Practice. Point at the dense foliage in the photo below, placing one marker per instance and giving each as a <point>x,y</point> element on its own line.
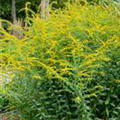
<point>66,67</point>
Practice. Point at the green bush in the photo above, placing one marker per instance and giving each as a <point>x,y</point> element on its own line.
<point>107,104</point>
<point>65,67</point>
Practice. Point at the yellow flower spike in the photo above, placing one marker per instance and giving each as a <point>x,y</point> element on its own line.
<point>98,86</point>
<point>36,77</point>
<point>117,81</point>
<point>78,99</point>
<point>92,95</point>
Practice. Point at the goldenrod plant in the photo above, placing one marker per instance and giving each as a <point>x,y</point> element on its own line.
<point>58,68</point>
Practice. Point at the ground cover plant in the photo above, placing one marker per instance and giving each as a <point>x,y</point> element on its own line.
<point>66,67</point>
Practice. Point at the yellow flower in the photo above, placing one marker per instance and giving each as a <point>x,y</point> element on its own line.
<point>102,73</point>
<point>117,81</point>
<point>77,98</point>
